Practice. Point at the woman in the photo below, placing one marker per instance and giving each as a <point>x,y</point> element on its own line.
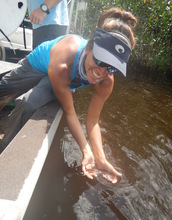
<point>72,62</point>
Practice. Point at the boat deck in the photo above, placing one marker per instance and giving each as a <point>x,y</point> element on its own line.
<point>23,159</point>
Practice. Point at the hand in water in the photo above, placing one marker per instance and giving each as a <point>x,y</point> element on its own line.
<point>108,171</point>
<point>105,169</point>
<point>88,164</point>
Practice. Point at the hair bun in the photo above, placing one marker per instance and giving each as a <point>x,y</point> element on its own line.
<point>117,13</point>
<point>115,19</point>
<point>128,18</point>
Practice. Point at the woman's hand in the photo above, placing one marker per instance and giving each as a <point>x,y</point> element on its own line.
<point>88,165</point>
<point>105,169</point>
<point>108,171</point>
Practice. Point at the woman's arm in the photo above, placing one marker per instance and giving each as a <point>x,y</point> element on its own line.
<point>101,93</point>
<point>59,71</point>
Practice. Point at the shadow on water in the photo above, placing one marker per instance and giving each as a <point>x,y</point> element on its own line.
<point>137,136</point>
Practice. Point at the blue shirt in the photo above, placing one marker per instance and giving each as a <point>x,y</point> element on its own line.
<point>58,14</point>
<point>39,58</point>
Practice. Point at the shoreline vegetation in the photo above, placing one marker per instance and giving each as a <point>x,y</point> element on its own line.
<point>153,49</point>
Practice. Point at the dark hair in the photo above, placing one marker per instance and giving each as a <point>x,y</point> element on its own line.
<point>117,20</point>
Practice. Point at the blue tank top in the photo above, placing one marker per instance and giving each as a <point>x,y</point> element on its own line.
<point>39,59</point>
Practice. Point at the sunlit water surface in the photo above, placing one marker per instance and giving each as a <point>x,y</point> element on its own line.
<point>136,125</point>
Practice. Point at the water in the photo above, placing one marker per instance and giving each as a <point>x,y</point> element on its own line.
<point>136,125</point>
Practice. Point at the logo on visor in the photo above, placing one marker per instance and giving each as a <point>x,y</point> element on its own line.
<point>119,48</point>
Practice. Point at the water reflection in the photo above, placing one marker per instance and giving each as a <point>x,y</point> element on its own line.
<point>137,135</point>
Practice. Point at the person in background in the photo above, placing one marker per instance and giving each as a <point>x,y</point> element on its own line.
<point>49,19</point>
<point>70,62</point>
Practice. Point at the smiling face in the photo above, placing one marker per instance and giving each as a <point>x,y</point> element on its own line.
<point>94,73</point>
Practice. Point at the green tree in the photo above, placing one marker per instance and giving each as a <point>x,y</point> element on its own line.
<point>153,49</point>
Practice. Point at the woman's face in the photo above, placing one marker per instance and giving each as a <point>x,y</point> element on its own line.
<point>94,73</point>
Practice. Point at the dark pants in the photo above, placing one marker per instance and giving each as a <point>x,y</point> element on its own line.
<point>33,90</point>
<point>46,33</point>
